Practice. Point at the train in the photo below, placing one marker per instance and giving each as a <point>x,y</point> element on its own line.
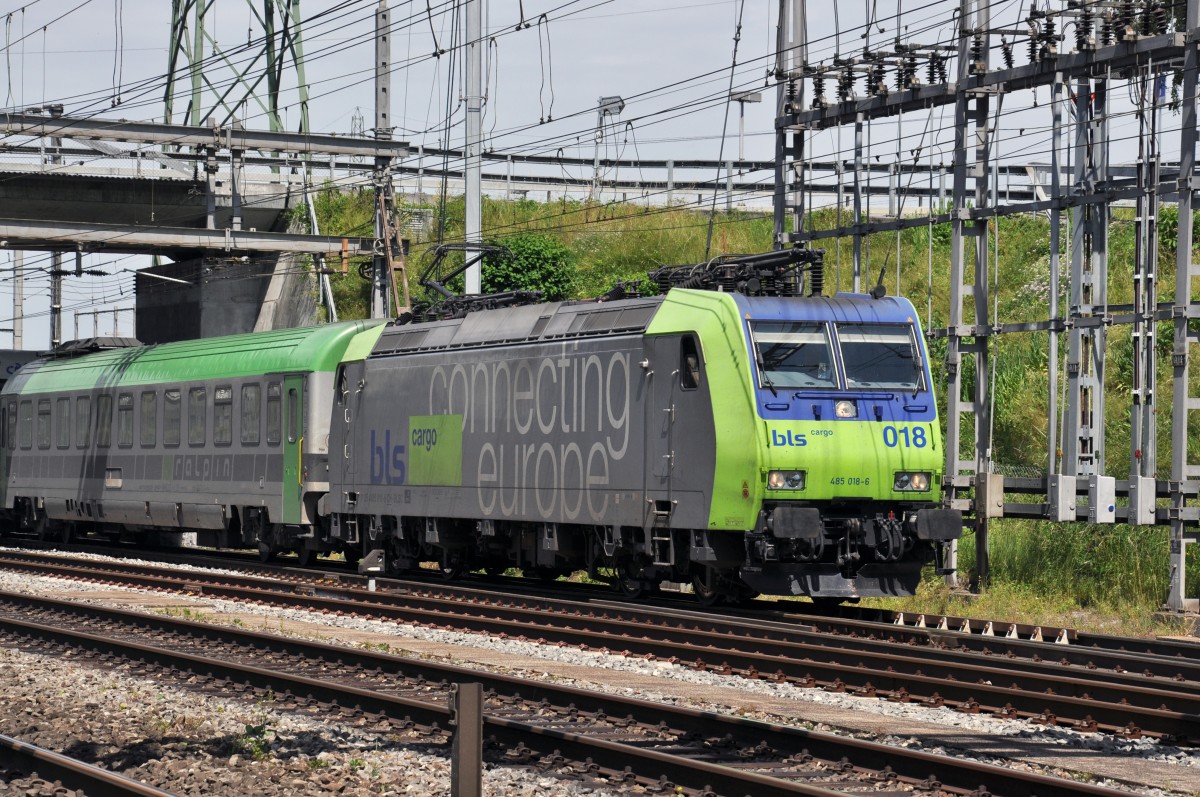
<point>728,431</point>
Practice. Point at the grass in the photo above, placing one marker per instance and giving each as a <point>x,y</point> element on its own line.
<point>1055,571</point>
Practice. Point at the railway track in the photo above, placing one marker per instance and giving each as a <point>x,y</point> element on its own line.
<point>1089,689</point>
<point>20,760</point>
<point>575,732</point>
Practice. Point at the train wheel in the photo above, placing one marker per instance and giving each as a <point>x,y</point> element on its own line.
<point>710,585</point>
<point>353,555</point>
<point>265,553</point>
<point>306,556</point>
<point>451,565</point>
<point>66,533</point>
<point>630,581</point>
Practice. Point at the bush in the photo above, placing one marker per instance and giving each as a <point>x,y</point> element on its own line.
<point>538,263</point>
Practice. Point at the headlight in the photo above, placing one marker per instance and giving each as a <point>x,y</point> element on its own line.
<point>910,482</point>
<point>785,480</point>
<point>845,409</point>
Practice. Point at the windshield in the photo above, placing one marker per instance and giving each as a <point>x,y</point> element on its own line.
<point>879,356</point>
<point>792,354</point>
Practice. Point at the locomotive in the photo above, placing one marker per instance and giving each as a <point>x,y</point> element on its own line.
<point>727,432</point>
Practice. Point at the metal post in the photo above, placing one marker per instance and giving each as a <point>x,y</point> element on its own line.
<point>728,186</point>
<point>472,172</point>
<point>1182,469</point>
<point>1056,109</point>
<point>383,131</point>
<point>18,299</point>
<point>988,489</point>
<point>858,210</point>
<point>466,762</point>
<point>670,182</point>
<point>781,131</point>
<point>955,345</point>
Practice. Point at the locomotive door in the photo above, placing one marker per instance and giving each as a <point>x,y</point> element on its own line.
<point>679,434</point>
<point>349,396</point>
<point>293,447</point>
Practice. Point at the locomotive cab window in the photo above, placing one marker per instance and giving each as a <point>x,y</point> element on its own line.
<point>223,415</point>
<point>62,423</point>
<point>125,420</point>
<point>149,420</point>
<point>793,354</point>
<point>43,423</point>
<point>689,363</point>
<point>880,356</point>
<point>83,420</point>
<point>172,417</point>
<point>197,409</point>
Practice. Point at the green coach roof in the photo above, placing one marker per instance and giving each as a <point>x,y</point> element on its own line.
<point>302,349</point>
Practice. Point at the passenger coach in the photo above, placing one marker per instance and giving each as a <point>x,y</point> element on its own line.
<point>226,437</point>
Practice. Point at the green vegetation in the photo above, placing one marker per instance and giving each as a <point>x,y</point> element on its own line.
<point>1056,568</point>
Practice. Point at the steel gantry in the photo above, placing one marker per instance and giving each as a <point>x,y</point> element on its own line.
<point>1133,47</point>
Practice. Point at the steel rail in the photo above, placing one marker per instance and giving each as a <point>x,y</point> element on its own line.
<point>1044,691</point>
<point>73,774</point>
<point>784,741</point>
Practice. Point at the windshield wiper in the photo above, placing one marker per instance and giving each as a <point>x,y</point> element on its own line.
<point>762,373</point>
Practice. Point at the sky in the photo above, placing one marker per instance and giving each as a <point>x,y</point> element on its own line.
<point>547,63</point>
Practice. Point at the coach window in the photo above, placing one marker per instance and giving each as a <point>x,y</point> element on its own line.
<point>689,363</point>
<point>274,413</point>
<point>43,423</point>
<point>83,417</point>
<point>10,433</point>
<point>223,415</point>
<point>125,420</point>
<point>62,422</point>
<point>172,417</point>
<point>26,425</point>
<point>149,419</point>
<point>251,414</point>
<point>197,407</point>
<point>103,420</point>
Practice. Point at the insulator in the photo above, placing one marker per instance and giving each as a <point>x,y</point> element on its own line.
<point>1034,35</point>
<point>846,84</point>
<point>977,47</point>
<point>910,65</point>
<point>1159,12</point>
<point>1006,52</point>
<point>819,100</point>
<point>1107,28</point>
<point>1083,29</point>
<point>879,80</point>
<point>1127,20</point>
<point>1048,30</point>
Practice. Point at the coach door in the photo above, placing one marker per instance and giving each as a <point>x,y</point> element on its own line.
<point>293,446</point>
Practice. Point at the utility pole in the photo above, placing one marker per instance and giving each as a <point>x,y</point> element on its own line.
<point>741,98</point>
<point>472,173</point>
<point>18,299</point>
<point>383,131</point>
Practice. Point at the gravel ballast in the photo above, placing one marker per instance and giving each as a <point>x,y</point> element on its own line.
<point>938,730</point>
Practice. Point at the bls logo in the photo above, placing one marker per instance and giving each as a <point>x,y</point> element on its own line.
<point>787,438</point>
<point>387,461</point>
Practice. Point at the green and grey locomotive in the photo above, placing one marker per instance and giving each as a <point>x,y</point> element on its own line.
<point>745,439</point>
